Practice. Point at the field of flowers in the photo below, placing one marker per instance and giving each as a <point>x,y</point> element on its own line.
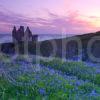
<point>47,80</point>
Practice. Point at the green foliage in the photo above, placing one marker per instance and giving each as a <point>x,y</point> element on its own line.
<point>5,58</point>
<point>56,63</point>
<point>21,58</point>
<point>86,88</point>
<point>50,84</point>
<point>97,79</point>
<point>78,69</point>
<point>53,91</point>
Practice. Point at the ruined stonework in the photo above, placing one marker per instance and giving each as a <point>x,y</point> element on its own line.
<point>21,35</point>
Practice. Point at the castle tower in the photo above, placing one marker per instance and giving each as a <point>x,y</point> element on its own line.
<point>14,33</point>
<point>28,34</point>
<point>20,34</point>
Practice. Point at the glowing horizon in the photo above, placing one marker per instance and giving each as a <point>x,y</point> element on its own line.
<point>50,16</point>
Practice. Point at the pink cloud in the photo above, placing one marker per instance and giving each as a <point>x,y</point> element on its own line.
<point>73,23</point>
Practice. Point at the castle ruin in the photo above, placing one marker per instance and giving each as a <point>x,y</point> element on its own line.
<point>22,35</point>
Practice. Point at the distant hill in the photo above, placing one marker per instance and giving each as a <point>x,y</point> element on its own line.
<point>4,38</point>
<point>71,49</point>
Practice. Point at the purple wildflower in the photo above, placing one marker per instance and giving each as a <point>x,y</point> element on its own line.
<point>42,91</point>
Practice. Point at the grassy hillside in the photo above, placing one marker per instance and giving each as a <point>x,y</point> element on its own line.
<point>62,48</point>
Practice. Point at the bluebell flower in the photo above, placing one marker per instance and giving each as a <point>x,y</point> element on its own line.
<point>93,93</point>
<point>42,91</point>
<point>46,73</point>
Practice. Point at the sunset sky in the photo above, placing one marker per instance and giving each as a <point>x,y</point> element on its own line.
<point>51,16</point>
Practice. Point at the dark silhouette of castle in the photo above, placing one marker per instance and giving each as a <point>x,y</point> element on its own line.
<point>20,35</point>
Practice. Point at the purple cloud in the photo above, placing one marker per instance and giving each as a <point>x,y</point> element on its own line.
<point>53,25</point>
